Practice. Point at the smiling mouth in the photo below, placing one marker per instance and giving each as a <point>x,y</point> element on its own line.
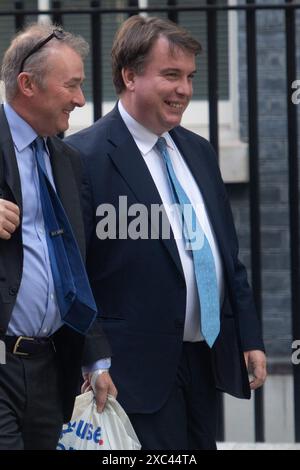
<point>175,105</point>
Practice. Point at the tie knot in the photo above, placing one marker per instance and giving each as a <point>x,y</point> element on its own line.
<point>161,144</point>
<point>39,144</point>
<point>39,151</point>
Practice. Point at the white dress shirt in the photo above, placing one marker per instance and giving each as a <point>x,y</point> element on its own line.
<point>145,141</point>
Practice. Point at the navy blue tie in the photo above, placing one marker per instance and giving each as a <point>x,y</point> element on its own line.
<point>204,265</point>
<point>74,296</point>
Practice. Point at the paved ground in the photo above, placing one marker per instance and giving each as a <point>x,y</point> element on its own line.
<point>250,446</point>
<point>278,414</point>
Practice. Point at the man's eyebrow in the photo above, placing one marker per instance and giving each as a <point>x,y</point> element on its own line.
<point>171,69</point>
<point>75,80</point>
<point>174,69</point>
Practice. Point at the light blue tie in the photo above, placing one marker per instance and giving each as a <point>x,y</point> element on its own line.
<point>205,271</point>
<point>74,296</point>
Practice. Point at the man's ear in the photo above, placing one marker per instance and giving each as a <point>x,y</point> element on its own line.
<point>25,84</point>
<point>129,78</point>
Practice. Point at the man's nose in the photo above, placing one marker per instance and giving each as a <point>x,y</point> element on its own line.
<point>79,99</point>
<point>185,87</point>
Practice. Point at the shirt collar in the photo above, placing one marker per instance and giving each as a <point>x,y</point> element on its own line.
<point>22,133</point>
<point>144,139</point>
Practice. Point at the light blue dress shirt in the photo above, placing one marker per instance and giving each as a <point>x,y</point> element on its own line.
<point>36,313</point>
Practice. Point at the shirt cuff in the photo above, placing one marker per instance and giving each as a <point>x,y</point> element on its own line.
<point>101,364</point>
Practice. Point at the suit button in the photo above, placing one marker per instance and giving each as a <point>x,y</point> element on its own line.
<point>13,291</point>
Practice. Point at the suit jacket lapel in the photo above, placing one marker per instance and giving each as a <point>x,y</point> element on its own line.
<point>66,188</point>
<point>10,167</point>
<point>131,165</point>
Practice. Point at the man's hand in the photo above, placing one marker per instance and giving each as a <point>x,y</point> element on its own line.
<point>9,219</point>
<point>256,365</point>
<point>103,386</point>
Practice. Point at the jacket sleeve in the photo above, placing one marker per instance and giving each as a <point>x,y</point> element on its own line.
<point>96,343</point>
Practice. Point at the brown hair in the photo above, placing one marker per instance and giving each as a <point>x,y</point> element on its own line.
<point>135,39</point>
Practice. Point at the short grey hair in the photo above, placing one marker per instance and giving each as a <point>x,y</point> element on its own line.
<point>36,64</point>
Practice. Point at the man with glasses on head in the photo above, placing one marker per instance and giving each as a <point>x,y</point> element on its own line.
<point>47,310</point>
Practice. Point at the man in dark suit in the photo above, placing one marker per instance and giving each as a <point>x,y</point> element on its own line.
<point>167,362</point>
<point>43,73</point>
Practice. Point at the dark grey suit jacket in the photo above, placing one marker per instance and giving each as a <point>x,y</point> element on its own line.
<point>72,348</point>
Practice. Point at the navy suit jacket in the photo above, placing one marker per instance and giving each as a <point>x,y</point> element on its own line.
<point>72,348</point>
<point>139,285</point>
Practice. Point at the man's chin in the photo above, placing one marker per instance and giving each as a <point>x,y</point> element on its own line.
<point>63,129</point>
<point>174,123</point>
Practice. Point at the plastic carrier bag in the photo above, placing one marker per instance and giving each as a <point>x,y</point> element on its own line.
<point>90,430</point>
